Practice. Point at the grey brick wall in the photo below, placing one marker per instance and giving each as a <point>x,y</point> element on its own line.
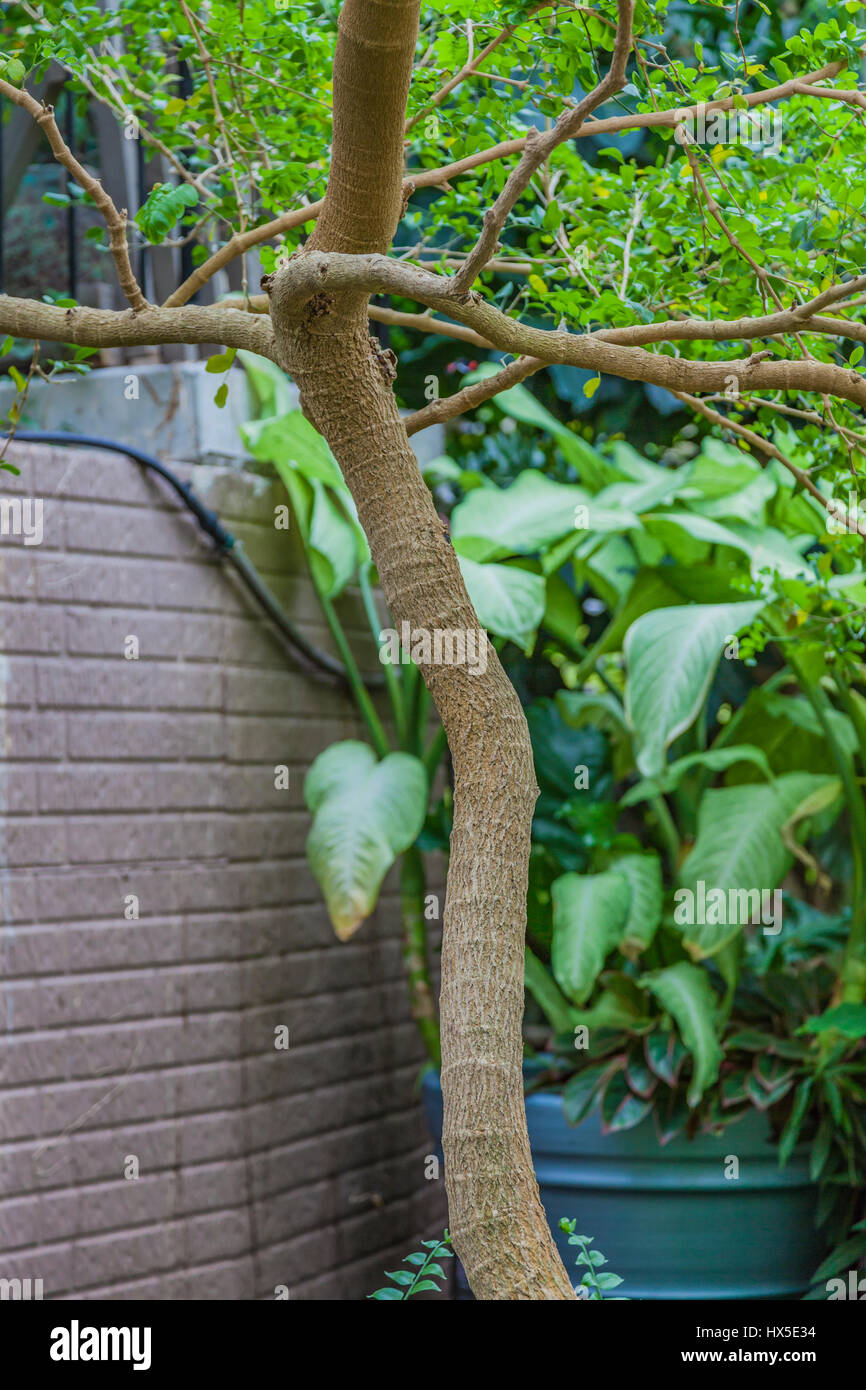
<point>153,1039</point>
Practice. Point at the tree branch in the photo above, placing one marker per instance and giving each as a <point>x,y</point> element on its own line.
<point>417,323</point>
<point>851,96</point>
<point>115,221</point>
<point>540,145</point>
<point>801,318</point>
<point>426,323</point>
<point>364,196</point>
<point>495,1216</point>
<point>756,440</point>
<point>311,273</point>
<point>31,318</point>
<point>437,178</point>
<point>602,352</point>
<point>449,407</point>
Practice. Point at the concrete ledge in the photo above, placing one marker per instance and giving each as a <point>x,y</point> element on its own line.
<point>166,409</point>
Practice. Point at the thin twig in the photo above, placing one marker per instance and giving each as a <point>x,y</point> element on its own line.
<point>115,221</point>
<point>756,440</point>
<point>469,67</point>
<point>439,177</point>
<point>448,407</point>
<point>539,145</point>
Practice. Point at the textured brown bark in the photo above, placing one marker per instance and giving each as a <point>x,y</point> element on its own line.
<point>496,1218</point>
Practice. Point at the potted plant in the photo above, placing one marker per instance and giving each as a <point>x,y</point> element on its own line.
<point>696,1070</point>
<point>696,1088</point>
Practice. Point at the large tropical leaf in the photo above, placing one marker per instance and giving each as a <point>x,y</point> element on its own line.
<point>727,484</point>
<point>685,992</point>
<point>600,710</point>
<point>671,654</point>
<point>714,759</point>
<point>365,813</point>
<point>640,470</point>
<point>740,846</point>
<point>509,601</point>
<point>592,522</point>
<point>649,591</point>
<point>700,531</point>
<point>789,732</point>
<point>323,506</point>
<point>519,520</point>
<point>559,747</point>
<point>820,808</point>
<point>642,496</point>
<point>589,914</point>
<point>591,467</point>
<point>609,570</point>
<point>330,538</point>
<point>847,1019</point>
<point>614,1010</point>
<point>562,613</point>
<point>518,402</point>
<point>291,439</point>
<point>774,552</point>
<point>546,993</point>
<point>274,391</point>
<point>643,872</point>
<point>722,471</point>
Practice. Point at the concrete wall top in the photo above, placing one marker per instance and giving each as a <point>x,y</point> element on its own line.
<point>165,409</point>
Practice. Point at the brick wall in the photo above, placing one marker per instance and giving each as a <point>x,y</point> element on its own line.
<point>152,1040</point>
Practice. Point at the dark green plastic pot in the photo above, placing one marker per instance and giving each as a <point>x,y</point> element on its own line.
<point>667,1219</point>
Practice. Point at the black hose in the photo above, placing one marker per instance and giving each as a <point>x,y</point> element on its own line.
<point>228,546</point>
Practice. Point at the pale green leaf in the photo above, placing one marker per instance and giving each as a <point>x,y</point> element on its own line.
<point>519,520</point>
<point>684,991</point>
<point>671,655</point>
<point>510,602</point>
<point>365,813</point>
<point>740,850</point>
<point>589,914</point>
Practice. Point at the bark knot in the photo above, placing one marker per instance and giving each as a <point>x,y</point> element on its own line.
<point>385,359</point>
<point>318,306</point>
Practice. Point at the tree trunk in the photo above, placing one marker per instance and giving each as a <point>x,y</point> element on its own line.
<point>345,383</point>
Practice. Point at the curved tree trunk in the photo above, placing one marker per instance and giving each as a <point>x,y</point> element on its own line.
<point>345,382</point>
